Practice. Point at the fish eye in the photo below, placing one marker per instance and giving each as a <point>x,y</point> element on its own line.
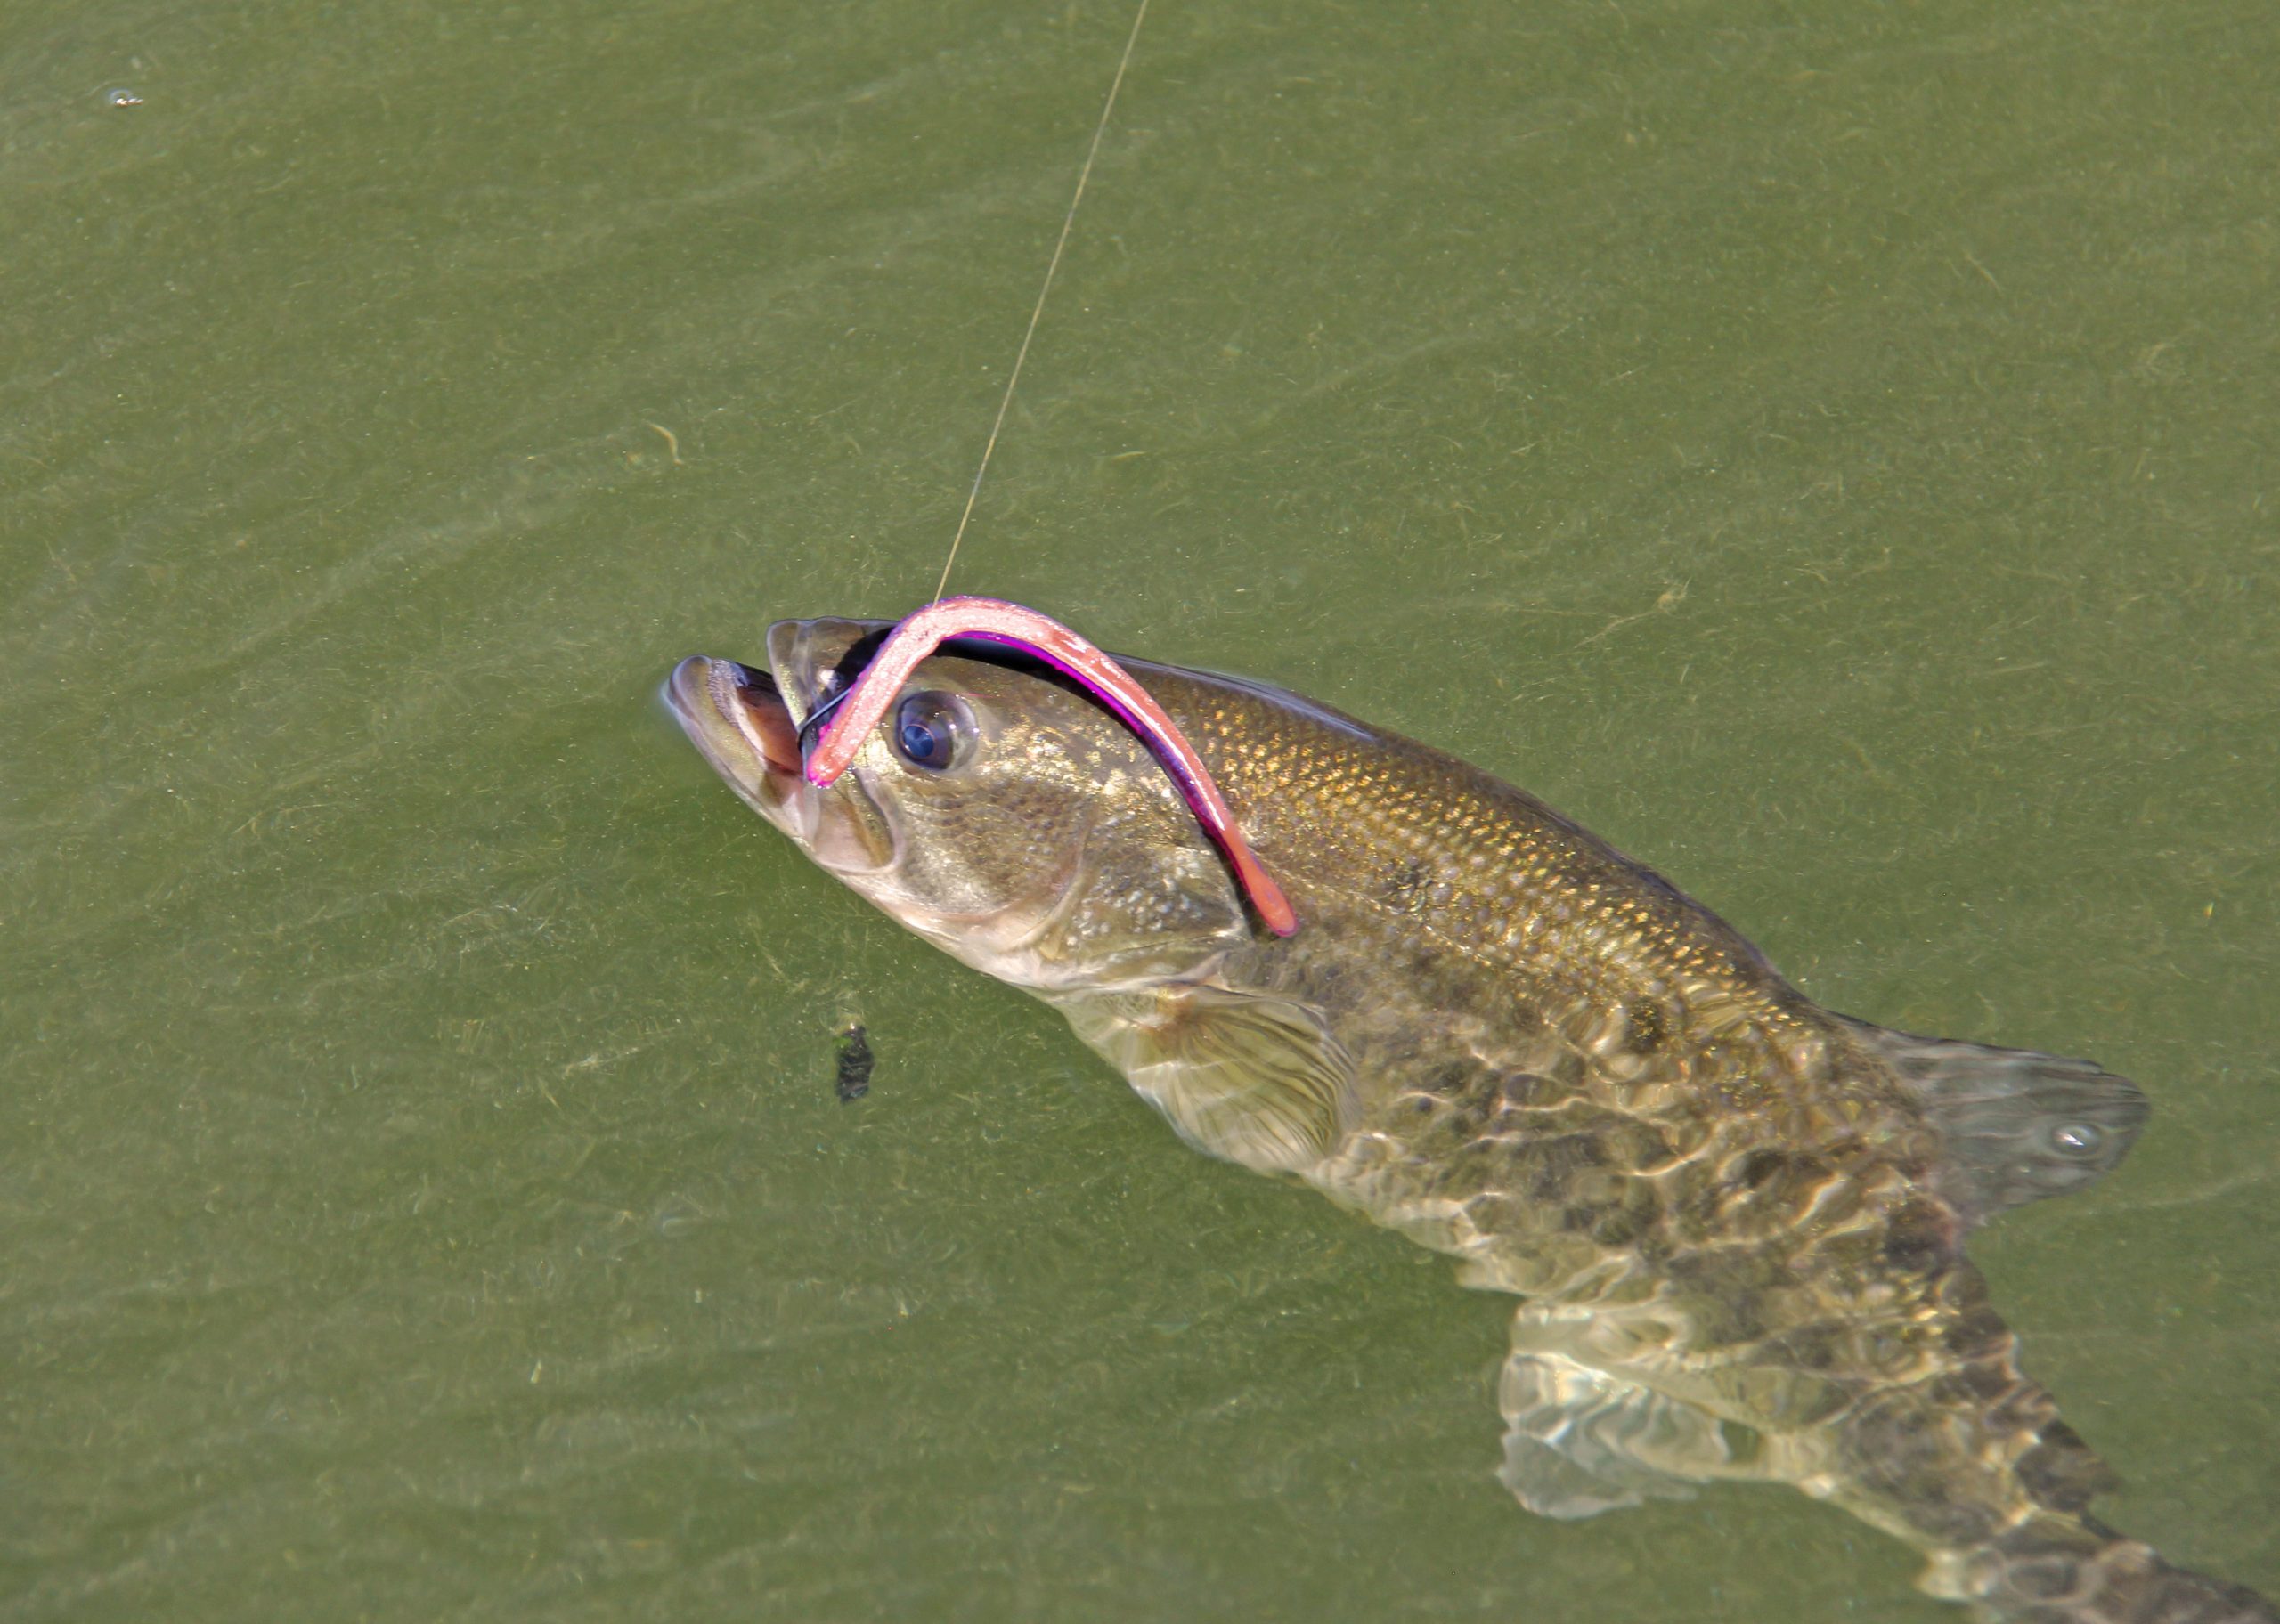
<point>933,731</point>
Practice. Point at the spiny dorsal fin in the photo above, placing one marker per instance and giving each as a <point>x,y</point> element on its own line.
<point>1257,1080</point>
<point>2019,1126</point>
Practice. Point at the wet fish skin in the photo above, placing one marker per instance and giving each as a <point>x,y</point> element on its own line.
<point>1735,1219</point>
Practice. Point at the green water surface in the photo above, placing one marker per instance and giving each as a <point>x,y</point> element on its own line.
<point>1828,448</point>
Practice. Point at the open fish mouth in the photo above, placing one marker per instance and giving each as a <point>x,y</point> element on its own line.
<point>746,697</point>
<point>738,718</point>
<point>753,698</point>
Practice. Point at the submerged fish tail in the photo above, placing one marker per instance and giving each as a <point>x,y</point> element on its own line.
<point>1995,1494</point>
<point>2060,1568</point>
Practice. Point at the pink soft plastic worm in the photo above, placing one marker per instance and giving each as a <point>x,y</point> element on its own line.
<point>993,620</point>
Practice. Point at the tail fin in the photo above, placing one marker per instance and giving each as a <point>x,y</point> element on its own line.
<point>2055,1568</point>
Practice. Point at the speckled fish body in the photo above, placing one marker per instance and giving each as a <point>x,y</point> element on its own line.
<point>1734,1219</point>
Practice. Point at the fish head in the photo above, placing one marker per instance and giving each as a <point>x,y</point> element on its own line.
<point>997,809</point>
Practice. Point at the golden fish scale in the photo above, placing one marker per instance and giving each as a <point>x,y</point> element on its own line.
<point>1402,847</point>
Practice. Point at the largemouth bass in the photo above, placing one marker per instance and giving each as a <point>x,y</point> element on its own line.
<point>1734,1220</point>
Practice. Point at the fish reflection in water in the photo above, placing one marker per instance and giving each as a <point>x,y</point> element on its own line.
<point>1734,1219</point>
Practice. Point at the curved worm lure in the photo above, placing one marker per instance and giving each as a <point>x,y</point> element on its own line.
<point>840,727</point>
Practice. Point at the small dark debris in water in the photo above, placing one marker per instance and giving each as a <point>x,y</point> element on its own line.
<point>855,1063</point>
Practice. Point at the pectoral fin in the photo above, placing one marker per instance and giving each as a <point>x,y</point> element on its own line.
<point>1256,1080</point>
<point>2019,1126</point>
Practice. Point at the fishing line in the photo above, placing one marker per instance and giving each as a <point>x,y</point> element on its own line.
<point>1067,219</point>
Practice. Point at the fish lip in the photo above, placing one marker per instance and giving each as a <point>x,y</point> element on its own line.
<point>745,722</point>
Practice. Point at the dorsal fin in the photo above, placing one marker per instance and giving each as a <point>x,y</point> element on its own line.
<point>2019,1126</point>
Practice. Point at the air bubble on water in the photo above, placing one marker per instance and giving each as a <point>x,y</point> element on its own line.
<point>120,96</point>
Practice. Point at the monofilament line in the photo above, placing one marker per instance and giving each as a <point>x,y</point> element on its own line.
<point>1022,354</point>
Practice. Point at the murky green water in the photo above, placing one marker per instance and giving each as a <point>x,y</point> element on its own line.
<point>1826,448</point>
